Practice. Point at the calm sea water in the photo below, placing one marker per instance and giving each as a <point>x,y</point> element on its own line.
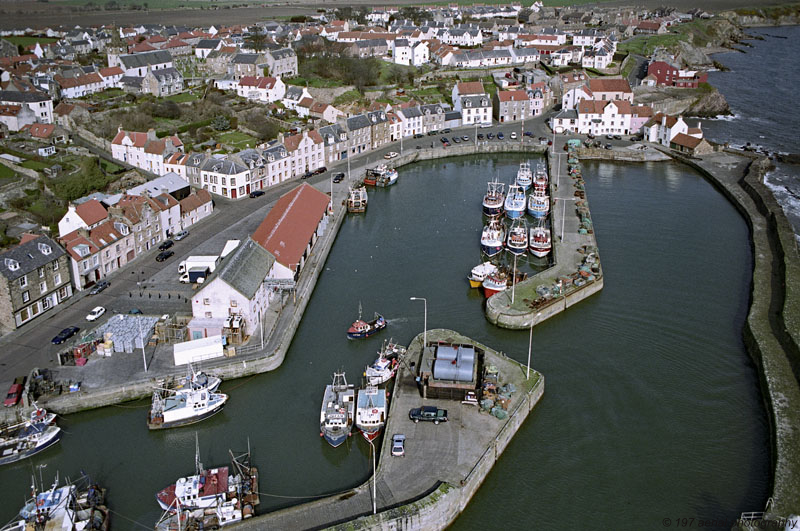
<point>760,89</point>
<point>652,408</point>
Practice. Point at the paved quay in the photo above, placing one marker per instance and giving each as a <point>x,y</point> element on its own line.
<point>522,307</point>
<point>444,464</point>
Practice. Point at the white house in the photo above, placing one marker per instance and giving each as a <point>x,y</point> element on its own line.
<point>294,95</point>
<point>474,103</point>
<point>144,150</point>
<point>604,117</point>
<point>40,103</point>
<point>265,89</point>
<point>662,128</point>
<point>572,96</point>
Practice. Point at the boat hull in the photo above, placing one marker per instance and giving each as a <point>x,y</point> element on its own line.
<point>491,250</point>
<point>32,451</point>
<point>371,435</point>
<point>517,250</point>
<point>187,421</point>
<point>361,335</point>
<point>538,214</point>
<point>540,253</point>
<point>489,291</point>
<point>337,439</point>
<point>474,283</point>
<point>514,214</point>
<point>492,211</point>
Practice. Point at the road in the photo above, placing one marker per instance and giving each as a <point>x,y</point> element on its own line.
<point>153,288</point>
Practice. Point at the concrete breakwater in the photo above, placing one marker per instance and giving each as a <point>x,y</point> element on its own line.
<point>444,465</point>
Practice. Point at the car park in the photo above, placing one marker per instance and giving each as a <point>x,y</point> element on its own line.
<point>256,193</point>
<point>513,135</point>
<point>15,392</point>
<point>95,313</point>
<point>164,255</point>
<point>390,155</point>
<point>64,335</point>
<point>166,244</point>
<point>338,177</point>
<point>428,413</point>
<point>100,286</point>
<point>500,136</point>
<point>398,445</point>
<point>181,235</point>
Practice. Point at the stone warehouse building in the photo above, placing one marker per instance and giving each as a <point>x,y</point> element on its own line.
<point>36,277</point>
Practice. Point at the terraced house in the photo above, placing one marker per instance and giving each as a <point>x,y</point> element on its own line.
<point>36,277</point>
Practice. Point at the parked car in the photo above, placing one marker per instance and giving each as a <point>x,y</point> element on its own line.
<point>390,155</point>
<point>417,147</point>
<point>428,413</point>
<point>465,138</point>
<point>14,392</point>
<point>590,136</point>
<point>398,445</point>
<point>307,174</point>
<point>321,169</point>
<point>513,135</point>
<point>486,125</point>
<point>164,255</point>
<point>419,135</point>
<point>166,244</point>
<point>100,286</point>
<point>609,146</point>
<point>134,311</point>
<point>64,335</point>
<point>445,131</point>
<point>432,133</point>
<point>617,137</point>
<point>500,136</point>
<point>528,133</point>
<point>95,313</point>
<point>444,140</point>
<point>480,136</point>
<point>256,193</point>
<point>609,136</point>
<point>490,135</point>
<point>338,177</point>
<point>456,140</point>
<point>181,235</point>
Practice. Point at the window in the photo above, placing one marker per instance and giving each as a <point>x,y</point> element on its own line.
<point>55,266</point>
<point>23,281</point>
<point>206,302</point>
<point>41,272</point>
<point>46,303</point>
<point>26,296</point>
<point>208,315</point>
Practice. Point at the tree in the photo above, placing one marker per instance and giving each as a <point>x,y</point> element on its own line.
<point>256,40</point>
<point>221,123</point>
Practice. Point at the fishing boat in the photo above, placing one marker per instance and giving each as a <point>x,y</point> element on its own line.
<point>172,408</point>
<point>371,411</point>
<point>24,439</point>
<point>539,241</point>
<point>515,202</point>
<point>493,200</point>
<point>479,272</point>
<point>199,380</point>
<point>74,506</point>
<point>540,178</point>
<point>538,204</point>
<point>524,176</point>
<point>361,329</point>
<point>493,237</point>
<point>357,200</point>
<point>495,283</point>
<point>385,367</point>
<point>517,238</point>
<point>338,410</point>
<point>211,488</point>
<point>387,178</point>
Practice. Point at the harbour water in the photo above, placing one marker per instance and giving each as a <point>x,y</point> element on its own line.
<point>760,91</point>
<point>653,408</point>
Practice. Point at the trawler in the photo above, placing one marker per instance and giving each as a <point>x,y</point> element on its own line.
<point>338,410</point>
<point>371,411</point>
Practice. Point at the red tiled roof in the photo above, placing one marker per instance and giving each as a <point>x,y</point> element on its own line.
<point>10,110</point>
<point>70,82</point>
<point>290,225</point>
<point>194,201</point>
<point>609,85</point>
<point>470,87</point>
<point>41,130</point>
<point>91,212</point>
<point>75,238</point>
<point>686,140</point>
<point>111,71</point>
<point>512,95</point>
<point>175,43</point>
<point>257,82</point>
<point>306,102</point>
<point>27,237</point>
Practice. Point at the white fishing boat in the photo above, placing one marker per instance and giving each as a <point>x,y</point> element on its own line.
<point>495,283</point>
<point>387,178</point>
<point>479,273</point>
<point>538,204</point>
<point>338,410</point>
<point>172,408</point>
<point>540,178</point>
<point>493,200</point>
<point>385,367</point>
<point>24,439</point>
<point>371,411</point>
<point>524,175</point>
<point>493,237</point>
<point>515,202</point>
<point>357,200</point>
<point>517,238</point>
<point>539,241</point>
<point>199,380</point>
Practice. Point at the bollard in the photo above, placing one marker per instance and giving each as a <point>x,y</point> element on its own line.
<point>169,295</point>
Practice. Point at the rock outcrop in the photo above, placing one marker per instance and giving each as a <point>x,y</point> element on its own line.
<point>706,101</point>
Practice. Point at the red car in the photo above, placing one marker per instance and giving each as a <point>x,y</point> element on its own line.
<point>14,392</point>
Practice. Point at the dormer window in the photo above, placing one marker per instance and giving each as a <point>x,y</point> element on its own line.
<point>468,103</point>
<point>45,249</point>
<point>12,264</point>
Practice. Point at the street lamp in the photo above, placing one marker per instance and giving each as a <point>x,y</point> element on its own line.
<point>425,322</point>
<point>530,344</point>
<point>374,479</point>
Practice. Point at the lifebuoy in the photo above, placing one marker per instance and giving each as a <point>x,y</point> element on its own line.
<point>40,502</point>
<point>374,411</point>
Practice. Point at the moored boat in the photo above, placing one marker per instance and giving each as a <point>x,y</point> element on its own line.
<point>25,439</point>
<point>495,283</point>
<point>357,200</point>
<point>517,238</point>
<point>173,408</point>
<point>540,178</point>
<point>338,410</point>
<point>387,177</point>
<point>538,204</point>
<point>515,202</point>
<point>539,241</point>
<point>371,411</point>
<point>524,175</point>
<point>494,198</point>
<point>493,237</point>
<point>479,272</point>
<point>385,367</point>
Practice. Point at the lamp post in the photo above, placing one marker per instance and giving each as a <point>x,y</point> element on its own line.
<point>530,345</point>
<point>374,479</point>
<point>141,339</point>
<point>514,279</point>
<point>425,322</point>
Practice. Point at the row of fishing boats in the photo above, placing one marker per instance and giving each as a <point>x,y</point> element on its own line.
<point>343,406</point>
<point>517,239</point>
<point>381,175</point>
<point>516,201</point>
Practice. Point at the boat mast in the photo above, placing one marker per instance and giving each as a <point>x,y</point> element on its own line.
<point>197,464</point>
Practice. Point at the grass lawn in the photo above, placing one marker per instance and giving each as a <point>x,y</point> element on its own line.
<point>645,44</point>
<point>6,174</point>
<point>183,97</point>
<point>316,82</point>
<point>35,165</point>
<point>237,140</point>
<point>104,95</point>
<point>110,167</point>
<point>431,95</point>
<point>348,97</point>
<point>24,40</point>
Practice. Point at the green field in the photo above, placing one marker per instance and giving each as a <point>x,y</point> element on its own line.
<point>237,140</point>
<point>6,174</point>
<point>152,5</point>
<point>35,165</point>
<point>316,82</point>
<point>24,40</point>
